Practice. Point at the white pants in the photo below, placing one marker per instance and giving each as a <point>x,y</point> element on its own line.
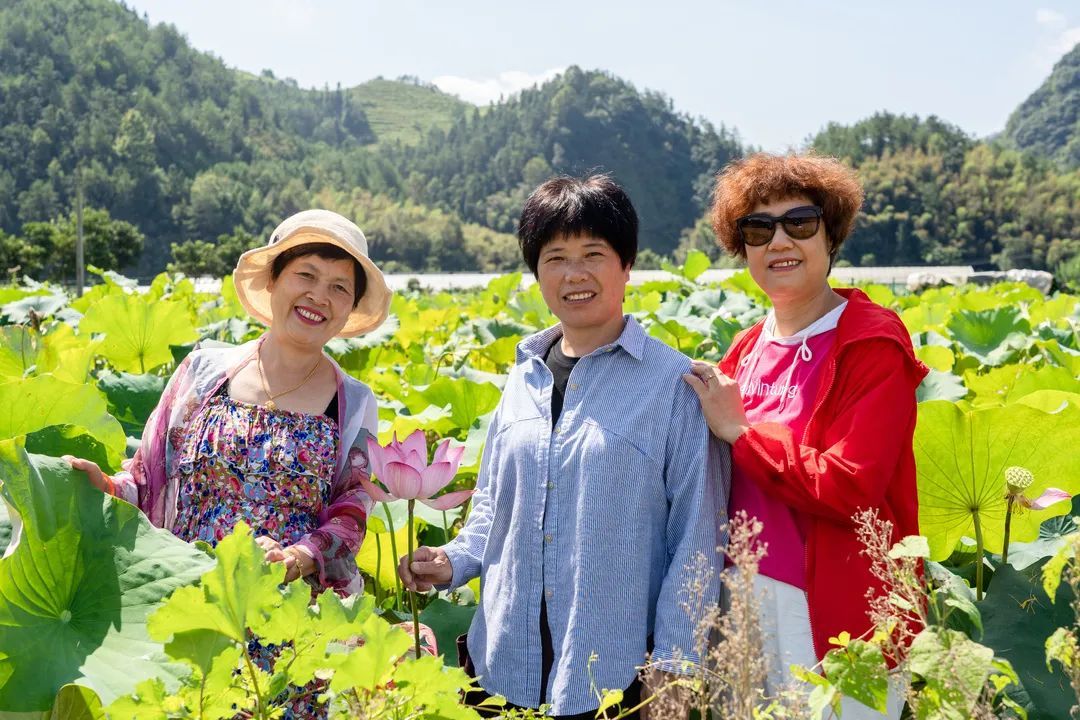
<point>786,640</point>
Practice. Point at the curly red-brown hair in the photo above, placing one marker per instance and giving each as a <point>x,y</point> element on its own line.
<point>764,178</point>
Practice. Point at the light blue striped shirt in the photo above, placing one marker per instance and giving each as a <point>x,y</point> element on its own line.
<point>603,514</point>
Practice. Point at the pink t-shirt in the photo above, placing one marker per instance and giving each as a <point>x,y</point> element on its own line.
<point>779,380</point>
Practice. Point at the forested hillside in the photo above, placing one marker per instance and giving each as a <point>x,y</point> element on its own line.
<point>1048,122</point>
<point>935,195</point>
<point>181,160</point>
<point>485,165</point>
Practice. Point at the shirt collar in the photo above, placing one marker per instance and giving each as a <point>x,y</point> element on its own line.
<point>632,340</point>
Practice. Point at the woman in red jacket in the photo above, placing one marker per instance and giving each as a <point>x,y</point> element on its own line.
<point>817,401</point>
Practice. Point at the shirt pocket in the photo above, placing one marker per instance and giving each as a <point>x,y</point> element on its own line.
<point>620,487</point>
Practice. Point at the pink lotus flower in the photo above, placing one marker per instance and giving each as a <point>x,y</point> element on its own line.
<point>1048,498</point>
<point>403,469</point>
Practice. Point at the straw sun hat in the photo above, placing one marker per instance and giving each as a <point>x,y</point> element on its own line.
<point>252,272</point>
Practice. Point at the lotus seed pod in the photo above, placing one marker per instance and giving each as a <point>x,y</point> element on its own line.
<point>1018,479</point>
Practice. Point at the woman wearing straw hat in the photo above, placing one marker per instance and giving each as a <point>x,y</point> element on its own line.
<point>272,432</point>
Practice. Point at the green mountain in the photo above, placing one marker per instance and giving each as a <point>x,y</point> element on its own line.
<point>94,98</point>
<point>1048,122</point>
<point>167,143</point>
<point>484,166</point>
<point>405,110</point>
<point>92,95</point>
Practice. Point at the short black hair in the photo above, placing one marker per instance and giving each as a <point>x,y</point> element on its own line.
<point>567,206</point>
<point>326,251</point>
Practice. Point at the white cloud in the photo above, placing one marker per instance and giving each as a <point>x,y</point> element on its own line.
<point>1056,38</point>
<point>486,90</point>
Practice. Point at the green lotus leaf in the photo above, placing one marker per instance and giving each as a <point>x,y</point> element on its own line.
<point>1060,355</point>
<point>447,621</point>
<point>68,356</point>
<point>939,385</point>
<point>436,420</point>
<point>991,336</point>
<point>498,294</point>
<point>468,401</point>
<point>528,306</point>
<point>138,332</point>
<point>19,311</point>
<point>488,330</point>
<point>131,398</point>
<point>5,533</point>
<point>663,287</point>
<point>881,294</point>
<point>1019,617</point>
<point>11,294</point>
<point>75,702</point>
<point>696,263</point>
<point>96,293</point>
<point>962,455</point>
<point>1000,386</point>
<point>742,282</point>
<point>1064,335</point>
<point>925,317</point>
<point>239,587</point>
<point>1055,310</point>
<point>76,590</point>
<point>38,402</point>
<point>18,351</point>
<point>936,357</point>
<point>642,303</point>
<point>684,334</point>
<point>59,440</point>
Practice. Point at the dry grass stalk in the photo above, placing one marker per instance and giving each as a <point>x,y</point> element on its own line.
<point>729,682</point>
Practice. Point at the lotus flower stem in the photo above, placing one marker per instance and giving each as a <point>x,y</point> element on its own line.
<point>412,593</point>
<point>445,527</point>
<point>393,550</point>
<point>978,556</point>
<point>1008,525</point>
<point>378,566</point>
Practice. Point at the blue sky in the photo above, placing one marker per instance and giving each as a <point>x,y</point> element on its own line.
<point>775,70</point>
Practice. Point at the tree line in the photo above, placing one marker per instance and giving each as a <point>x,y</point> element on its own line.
<point>184,162</point>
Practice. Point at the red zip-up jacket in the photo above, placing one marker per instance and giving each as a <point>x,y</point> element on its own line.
<point>855,453</point>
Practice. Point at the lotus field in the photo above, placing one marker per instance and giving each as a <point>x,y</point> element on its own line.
<point>104,615</point>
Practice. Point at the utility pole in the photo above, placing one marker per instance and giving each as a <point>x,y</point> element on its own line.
<point>80,259</point>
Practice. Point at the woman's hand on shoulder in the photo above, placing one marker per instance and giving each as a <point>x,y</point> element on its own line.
<point>93,472</point>
<point>721,400</point>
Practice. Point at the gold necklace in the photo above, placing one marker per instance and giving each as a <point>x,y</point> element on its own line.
<point>270,404</point>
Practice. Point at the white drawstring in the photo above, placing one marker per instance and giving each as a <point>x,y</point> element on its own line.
<point>803,353</point>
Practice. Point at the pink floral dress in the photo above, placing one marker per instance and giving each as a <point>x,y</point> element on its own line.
<point>272,469</point>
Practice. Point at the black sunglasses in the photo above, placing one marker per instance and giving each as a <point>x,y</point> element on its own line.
<point>799,223</point>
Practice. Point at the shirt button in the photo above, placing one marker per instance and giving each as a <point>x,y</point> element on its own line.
<point>573,386</point>
<point>551,593</point>
<point>551,485</point>
<point>558,429</point>
<point>548,538</point>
